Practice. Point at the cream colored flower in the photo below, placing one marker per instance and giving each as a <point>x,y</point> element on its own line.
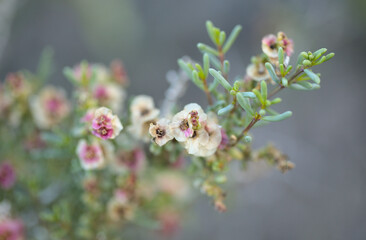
<point>90,155</point>
<point>105,125</point>
<point>119,209</point>
<point>140,130</point>
<point>143,109</point>
<point>257,72</point>
<point>205,141</point>
<point>186,121</point>
<point>49,107</point>
<point>269,46</point>
<point>161,131</point>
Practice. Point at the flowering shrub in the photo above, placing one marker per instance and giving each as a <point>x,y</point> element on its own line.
<point>82,168</point>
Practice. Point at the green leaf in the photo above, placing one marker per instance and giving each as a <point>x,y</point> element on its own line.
<point>222,38</point>
<point>312,75</point>
<point>245,103</point>
<point>206,64</point>
<point>210,30</point>
<point>297,86</point>
<point>329,56</point>
<point>259,96</point>
<point>226,67</point>
<point>232,37</point>
<point>284,82</point>
<point>247,94</point>
<point>276,100</point>
<point>282,70</point>
<point>196,79</point>
<point>184,66</point>
<point>317,54</point>
<point>207,49</point>
<point>220,79</point>
<point>264,90</point>
<point>225,110</point>
<point>305,84</point>
<point>278,117</point>
<point>272,72</point>
<point>280,55</point>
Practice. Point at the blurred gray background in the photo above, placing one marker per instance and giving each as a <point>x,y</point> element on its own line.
<point>325,196</point>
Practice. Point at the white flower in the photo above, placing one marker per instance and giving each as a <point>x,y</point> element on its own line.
<point>161,131</point>
<point>205,141</point>
<point>186,121</point>
<point>90,155</point>
<point>106,125</point>
<point>50,107</point>
<point>143,113</point>
<point>143,109</point>
<point>269,46</point>
<point>257,72</point>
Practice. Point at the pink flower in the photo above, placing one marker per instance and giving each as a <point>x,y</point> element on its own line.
<point>288,46</point>
<point>101,121</point>
<point>100,92</point>
<point>11,230</point>
<point>90,155</point>
<point>50,107</point>
<point>224,139</point>
<point>105,125</point>
<point>103,133</point>
<point>7,175</point>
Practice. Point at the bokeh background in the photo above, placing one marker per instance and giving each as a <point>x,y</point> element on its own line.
<point>325,196</point>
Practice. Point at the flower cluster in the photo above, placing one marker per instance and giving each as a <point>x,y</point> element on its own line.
<point>200,135</point>
<point>87,166</point>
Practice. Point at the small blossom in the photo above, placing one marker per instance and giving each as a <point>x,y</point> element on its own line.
<point>90,155</point>
<point>105,125</point>
<point>50,107</point>
<point>271,43</point>
<point>269,46</point>
<point>143,109</point>
<point>161,131</point>
<point>7,175</point>
<point>286,43</point>
<point>204,142</point>
<point>110,95</point>
<point>143,113</point>
<point>187,121</point>
<point>257,72</point>
<point>11,230</point>
<point>119,208</point>
<point>285,166</point>
<point>18,85</point>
